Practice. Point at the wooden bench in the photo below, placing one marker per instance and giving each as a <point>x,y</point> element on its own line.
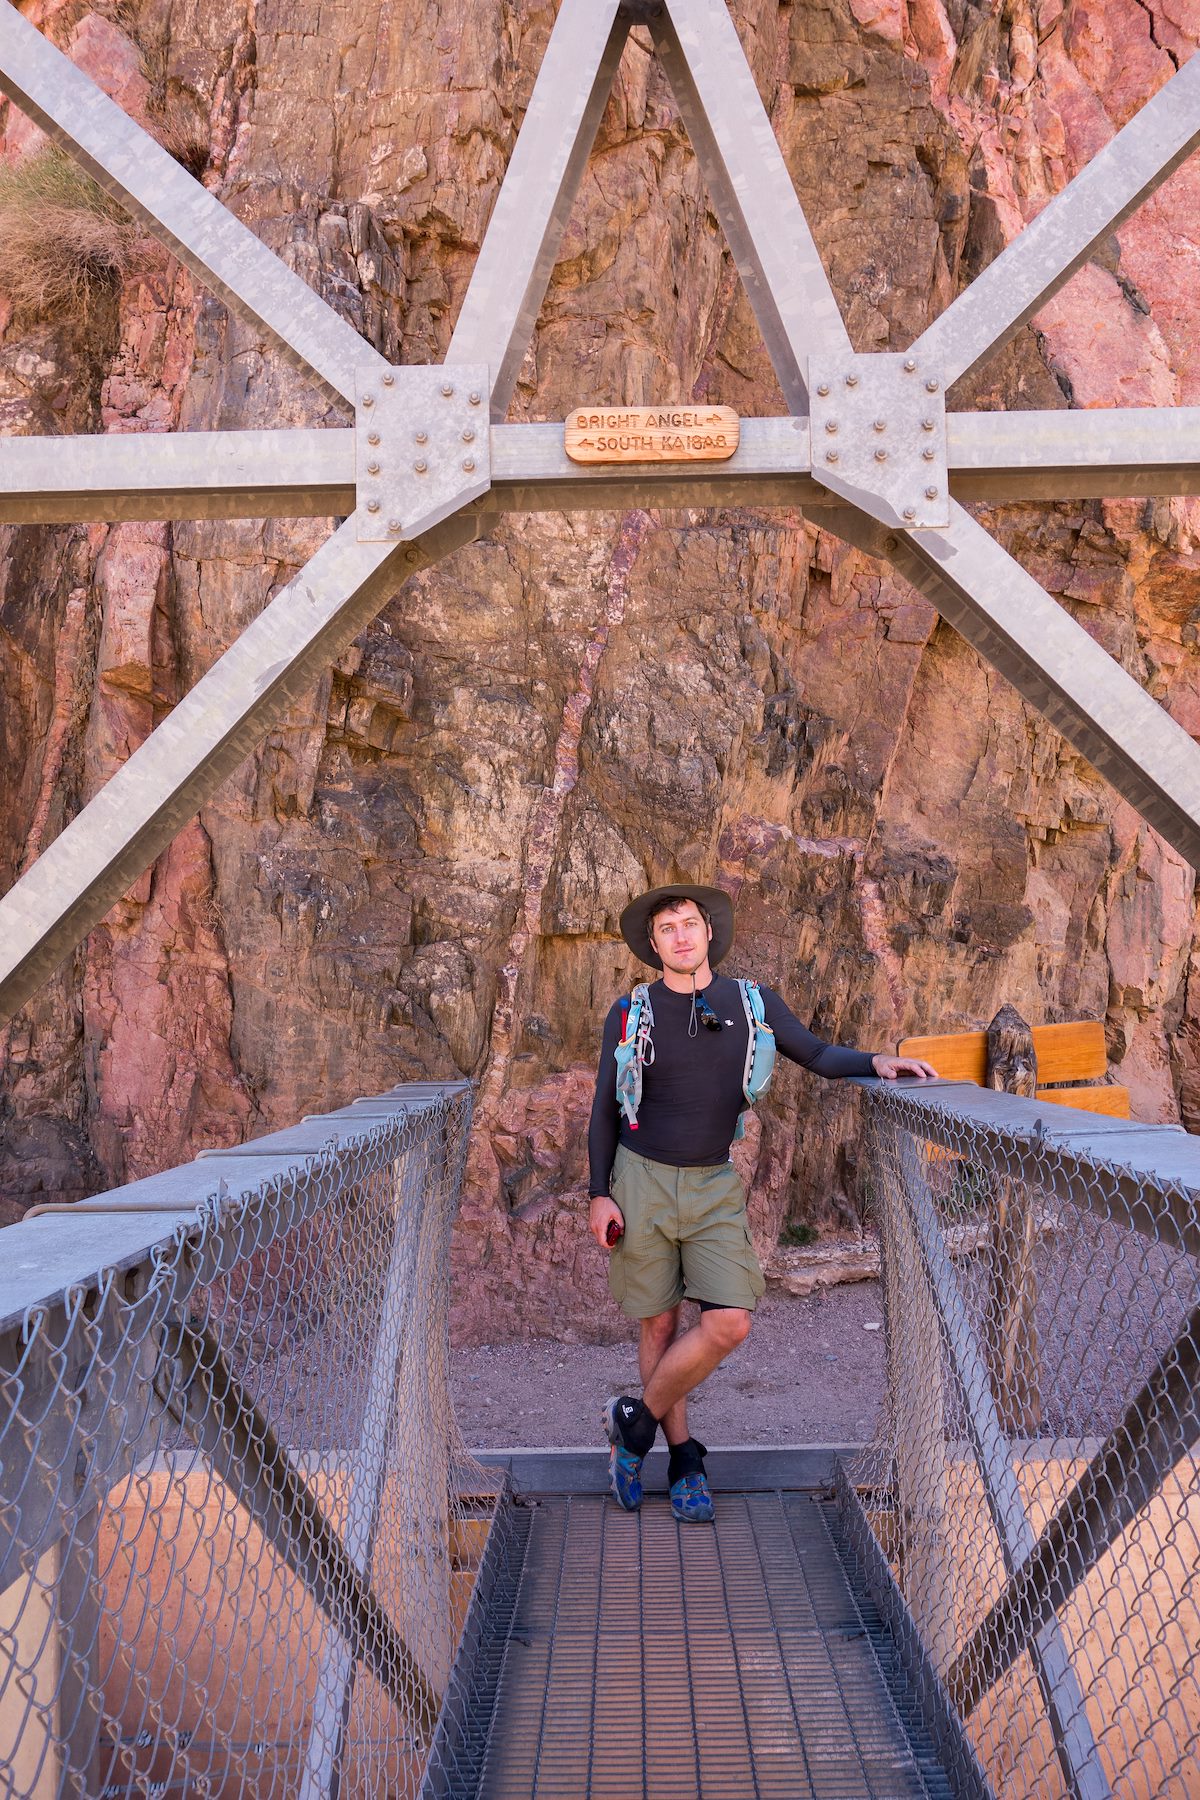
<point>1074,1051</point>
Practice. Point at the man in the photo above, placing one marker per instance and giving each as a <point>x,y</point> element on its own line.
<point>661,1175</point>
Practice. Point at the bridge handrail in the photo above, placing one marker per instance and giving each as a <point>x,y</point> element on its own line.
<point>229,1469</point>
<point>1105,1163</point>
<point>1034,1488</point>
<point>62,1246</point>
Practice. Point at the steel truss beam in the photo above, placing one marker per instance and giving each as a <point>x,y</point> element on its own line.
<point>220,1415</point>
<point>1031,269</point>
<point>1103,454</point>
<point>220,251</point>
<point>195,475</point>
<point>1061,670</point>
<point>135,815</point>
<point>515,262</point>
<point>750,187</point>
<point>993,602</point>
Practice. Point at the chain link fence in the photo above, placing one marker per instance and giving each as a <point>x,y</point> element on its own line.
<point>237,1528</point>
<point>1033,1498</point>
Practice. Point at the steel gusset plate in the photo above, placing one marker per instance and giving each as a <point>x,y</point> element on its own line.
<point>878,436</point>
<point>422,448</point>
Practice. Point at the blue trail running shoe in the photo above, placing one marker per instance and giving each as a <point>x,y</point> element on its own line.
<point>691,1501</point>
<point>624,1468</point>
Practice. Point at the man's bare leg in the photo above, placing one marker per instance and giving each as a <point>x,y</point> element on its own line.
<point>657,1336</point>
<point>690,1358</point>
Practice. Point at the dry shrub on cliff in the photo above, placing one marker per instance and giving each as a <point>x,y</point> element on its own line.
<point>61,237</point>
<point>183,134</point>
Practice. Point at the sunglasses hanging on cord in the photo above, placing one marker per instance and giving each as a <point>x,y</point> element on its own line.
<point>707,1014</point>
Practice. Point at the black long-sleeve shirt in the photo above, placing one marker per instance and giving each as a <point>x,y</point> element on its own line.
<point>692,1091</point>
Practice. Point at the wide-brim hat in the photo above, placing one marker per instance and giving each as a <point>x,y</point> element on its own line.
<point>635,920</point>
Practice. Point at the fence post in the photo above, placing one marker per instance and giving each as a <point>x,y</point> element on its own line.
<point>916,1380</point>
<point>1010,1320</point>
<point>422,1475</point>
<point>366,1479</point>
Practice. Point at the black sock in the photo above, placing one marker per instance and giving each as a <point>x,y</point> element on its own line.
<point>685,1459</point>
<point>637,1424</point>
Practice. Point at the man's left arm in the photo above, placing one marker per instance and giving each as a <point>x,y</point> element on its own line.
<point>833,1061</point>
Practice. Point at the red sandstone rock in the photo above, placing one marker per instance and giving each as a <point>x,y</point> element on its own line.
<point>109,55</point>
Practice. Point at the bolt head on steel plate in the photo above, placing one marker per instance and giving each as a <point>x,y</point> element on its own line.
<point>412,424</point>
<point>888,414</point>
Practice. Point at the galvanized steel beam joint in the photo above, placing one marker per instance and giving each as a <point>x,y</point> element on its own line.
<point>878,436</point>
<point>422,448</point>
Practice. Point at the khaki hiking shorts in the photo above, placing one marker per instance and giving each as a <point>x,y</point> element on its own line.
<point>686,1237</point>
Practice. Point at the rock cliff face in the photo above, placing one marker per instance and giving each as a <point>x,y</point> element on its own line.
<point>420,872</point>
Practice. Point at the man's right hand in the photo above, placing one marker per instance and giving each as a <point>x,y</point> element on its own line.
<point>601,1214</point>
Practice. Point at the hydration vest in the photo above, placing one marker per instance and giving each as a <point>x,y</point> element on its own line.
<point>635,1051</point>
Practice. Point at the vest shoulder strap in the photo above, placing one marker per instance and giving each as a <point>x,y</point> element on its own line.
<point>760,1043</point>
<point>634,1049</point>
<point>752,1000</point>
<point>632,1007</point>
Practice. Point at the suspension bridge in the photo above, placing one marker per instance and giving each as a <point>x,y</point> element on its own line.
<point>243,1550</point>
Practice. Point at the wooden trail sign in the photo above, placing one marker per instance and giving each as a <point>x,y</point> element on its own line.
<point>626,434</point>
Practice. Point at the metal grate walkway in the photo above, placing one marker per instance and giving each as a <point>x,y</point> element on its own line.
<point>641,1658</point>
